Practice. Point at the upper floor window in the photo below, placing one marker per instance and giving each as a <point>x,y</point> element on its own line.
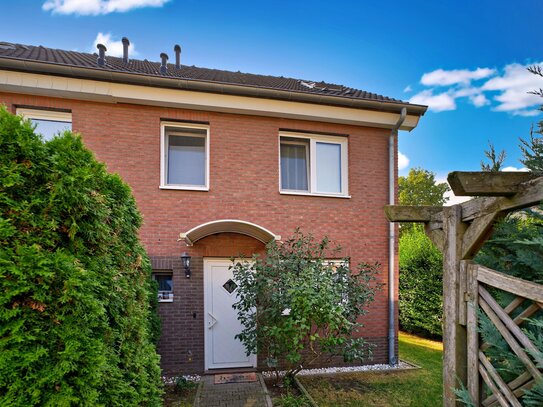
<point>312,164</point>
<point>185,156</point>
<point>48,122</point>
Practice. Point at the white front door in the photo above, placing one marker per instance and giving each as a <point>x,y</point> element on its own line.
<point>222,349</point>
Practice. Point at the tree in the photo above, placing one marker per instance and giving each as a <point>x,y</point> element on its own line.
<point>296,308</point>
<point>75,286</point>
<point>496,161</point>
<point>420,188</point>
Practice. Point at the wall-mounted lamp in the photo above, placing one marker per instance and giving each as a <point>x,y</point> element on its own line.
<point>185,261</point>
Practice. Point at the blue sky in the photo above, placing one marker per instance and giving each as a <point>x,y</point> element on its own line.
<point>465,58</point>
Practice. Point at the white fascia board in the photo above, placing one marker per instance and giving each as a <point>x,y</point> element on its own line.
<point>110,92</point>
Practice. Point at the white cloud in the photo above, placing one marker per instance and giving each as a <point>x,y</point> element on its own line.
<point>506,90</point>
<point>452,198</point>
<point>479,100</point>
<point>114,48</point>
<point>438,103</point>
<point>441,77</point>
<point>455,200</point>
<point>403,161</point>
<point>97,7</point>
<point>510,168</point>
<point>407,89</point>
<point>513,87</point>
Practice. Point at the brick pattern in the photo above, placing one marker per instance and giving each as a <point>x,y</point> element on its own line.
<point>244,183</point>
<point>253,394</point>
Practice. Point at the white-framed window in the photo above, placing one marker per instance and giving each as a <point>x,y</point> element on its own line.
<point>313,165</point>
<point>184,162</point>
<point>48,122</point>
<point>164,280</point>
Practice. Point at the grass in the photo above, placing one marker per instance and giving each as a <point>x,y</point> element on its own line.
<point>421,387</point>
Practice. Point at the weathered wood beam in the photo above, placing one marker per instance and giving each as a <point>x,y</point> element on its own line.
<point>511,284</point>
<point>529,194</point>
<point>477,233</point>
<point>472,334</point>
<point>487,183</point>
<point>511,341</point>
<point>437,237</point>
<point>454,334</point>
<point>510,324</point>
<point>511,398</point>
<point>405,213</point>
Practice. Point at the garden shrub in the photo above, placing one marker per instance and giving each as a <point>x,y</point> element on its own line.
<point>308,308</point>
<point>75,289</point>
<point>421,284</point>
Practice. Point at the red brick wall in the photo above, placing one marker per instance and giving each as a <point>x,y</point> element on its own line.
<point>244,182</point>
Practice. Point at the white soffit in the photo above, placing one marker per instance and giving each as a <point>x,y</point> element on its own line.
<point>109,92</point>
<point>228,226</point>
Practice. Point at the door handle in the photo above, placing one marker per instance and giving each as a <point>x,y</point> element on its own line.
<point>212,322</point>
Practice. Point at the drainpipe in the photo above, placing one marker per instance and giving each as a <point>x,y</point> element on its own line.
<point>391,239</point>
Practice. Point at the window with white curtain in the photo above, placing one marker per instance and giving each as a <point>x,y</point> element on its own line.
<point>185,156</point>
<point>313,164</point>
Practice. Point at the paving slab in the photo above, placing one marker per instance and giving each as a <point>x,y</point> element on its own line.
<point>253,394</point>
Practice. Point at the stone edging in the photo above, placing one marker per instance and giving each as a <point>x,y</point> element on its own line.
<point>267,397</point>
<point>305,392</point>
<point>198,393</point>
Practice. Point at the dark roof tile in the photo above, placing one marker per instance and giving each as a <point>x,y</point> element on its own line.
<point>144,67</point>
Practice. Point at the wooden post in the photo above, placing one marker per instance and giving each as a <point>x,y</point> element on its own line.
<point>454,334</point>
<point>473,334</point>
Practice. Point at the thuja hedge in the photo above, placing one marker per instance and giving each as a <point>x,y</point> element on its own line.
<point>421,284</point>
<point>76,324</point>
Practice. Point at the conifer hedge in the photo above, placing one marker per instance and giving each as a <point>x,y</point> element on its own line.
<point>76,324</point>
<point>421,284</point>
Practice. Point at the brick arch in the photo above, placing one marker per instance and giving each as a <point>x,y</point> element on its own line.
<point>228,225</point>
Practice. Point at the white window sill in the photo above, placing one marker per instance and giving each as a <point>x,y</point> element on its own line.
<point>165,300</point>
<point>184,188</point>
<point>314,194</point>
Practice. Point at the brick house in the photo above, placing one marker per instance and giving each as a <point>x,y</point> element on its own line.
<point>221,163</point>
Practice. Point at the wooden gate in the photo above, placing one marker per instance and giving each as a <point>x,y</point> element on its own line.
<point>459,231</point>
<point>508,321</point>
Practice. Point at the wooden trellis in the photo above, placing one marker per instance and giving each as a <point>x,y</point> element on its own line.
<point>459,231</point>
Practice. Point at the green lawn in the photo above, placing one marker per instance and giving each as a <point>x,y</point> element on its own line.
<point>421,387</point>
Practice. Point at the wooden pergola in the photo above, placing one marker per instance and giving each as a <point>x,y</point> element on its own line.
<point>459,231</point>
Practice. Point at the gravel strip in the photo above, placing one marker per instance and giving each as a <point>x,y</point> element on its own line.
<point>172,379</point>
<point>350,369</point>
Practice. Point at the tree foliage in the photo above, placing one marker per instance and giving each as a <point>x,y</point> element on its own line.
<point>495,163</point>
<point>420,188</point>
<point>75,287</point>
<point>296,308</point>
<point>421,285</point>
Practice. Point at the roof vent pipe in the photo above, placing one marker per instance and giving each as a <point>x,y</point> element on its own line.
<point>126,44</point>
<point>177,50</point>
<point>164,59</point>
<point>101,54</point>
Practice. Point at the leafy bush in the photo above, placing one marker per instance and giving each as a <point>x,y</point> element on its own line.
<point>307,307</point>
<point>421,284</point>
<point>75,287</point>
